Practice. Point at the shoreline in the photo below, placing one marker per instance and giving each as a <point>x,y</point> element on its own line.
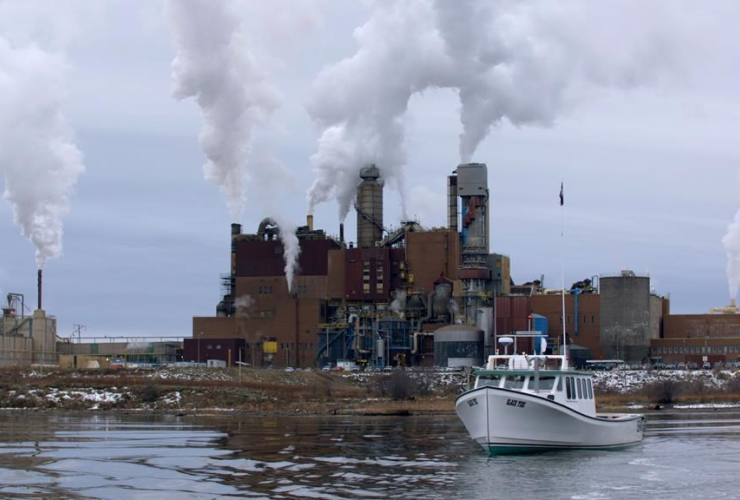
<point>254,392</point>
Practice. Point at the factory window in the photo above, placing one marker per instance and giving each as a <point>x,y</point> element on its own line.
<point>584,320</point>
<point>218,346</point>
<point>209,346</point>
<point>567,319</point>
<point>593,319</point>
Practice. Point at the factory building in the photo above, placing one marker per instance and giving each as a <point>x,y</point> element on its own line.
<point>377,302</point>
<point>410,296</point>
<point>696,339</point>
<point>27,340</point>
<point>618,319</point>
<point>118,352</point>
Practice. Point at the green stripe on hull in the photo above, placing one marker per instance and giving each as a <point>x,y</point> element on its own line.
<point>496,449</point>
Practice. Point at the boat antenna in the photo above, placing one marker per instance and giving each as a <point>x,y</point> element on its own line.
<point>562,272</point>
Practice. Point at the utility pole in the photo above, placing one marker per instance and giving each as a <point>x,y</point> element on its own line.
<point>78,330</point>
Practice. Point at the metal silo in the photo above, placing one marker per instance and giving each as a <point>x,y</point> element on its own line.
<point>369,207</point>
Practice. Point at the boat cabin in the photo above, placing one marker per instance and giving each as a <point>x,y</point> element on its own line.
<point>545,376</point>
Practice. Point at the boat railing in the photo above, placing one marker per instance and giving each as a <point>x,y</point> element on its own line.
<point>527,362</point>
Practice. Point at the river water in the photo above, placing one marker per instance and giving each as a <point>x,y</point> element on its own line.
<point>686,454</point>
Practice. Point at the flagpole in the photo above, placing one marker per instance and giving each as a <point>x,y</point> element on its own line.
<point>562,272</point>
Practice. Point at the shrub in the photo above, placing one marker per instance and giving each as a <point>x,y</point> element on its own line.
<point>150,394</point>
<point>398,385</point>
<point>664,391</point>
<point>733,385</point>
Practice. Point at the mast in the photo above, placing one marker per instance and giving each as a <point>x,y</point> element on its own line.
<point>562,274</point>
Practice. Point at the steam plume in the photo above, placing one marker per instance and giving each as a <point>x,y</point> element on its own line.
<point>291,248</point>
<point>519,61</point>
<point>359,103</point>
<point>523,62</point>
<point>38,158</point>
<point>731,242</point>
<point>214,66</point>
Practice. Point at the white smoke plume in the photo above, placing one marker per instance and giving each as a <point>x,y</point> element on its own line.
<point>522,62</point>
<point>38,157</point>
<point>274,181</point>
<point>398,305</point>
<point>525,61</point>
<point>242,305</point>
<point>359,103</point>
<point>214,65</point>
<point>731,242</point>
<point>291,248</point>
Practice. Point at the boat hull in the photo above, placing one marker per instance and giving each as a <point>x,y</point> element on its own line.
<point>505,421</point>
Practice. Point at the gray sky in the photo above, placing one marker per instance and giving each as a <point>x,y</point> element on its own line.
<point>650,170</point>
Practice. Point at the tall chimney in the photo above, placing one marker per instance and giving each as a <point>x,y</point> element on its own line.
<point>341,232</point>
<point>369,207</point>
<point>39,285</point>
<point>309,222</point>
<point>452,202</point>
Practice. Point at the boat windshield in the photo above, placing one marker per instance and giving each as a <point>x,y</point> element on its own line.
<point>488,380</point>
<point>514,382</point>
<point>546,383</point>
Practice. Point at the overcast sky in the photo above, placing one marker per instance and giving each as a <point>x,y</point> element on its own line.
<point>649,158</point>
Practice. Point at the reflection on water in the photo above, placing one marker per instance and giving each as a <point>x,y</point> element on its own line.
<point>685,454</point>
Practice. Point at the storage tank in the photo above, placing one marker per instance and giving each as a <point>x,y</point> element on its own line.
<point>369,208</point>
<point>485,323</point>
<point>458,345</point>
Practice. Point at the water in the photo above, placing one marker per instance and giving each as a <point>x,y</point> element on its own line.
<point>689,454</point>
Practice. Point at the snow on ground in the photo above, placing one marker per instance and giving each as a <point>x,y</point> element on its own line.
<point>92,395</point>
<point>628,381</point>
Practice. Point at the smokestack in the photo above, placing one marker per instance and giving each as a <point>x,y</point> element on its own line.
<point>341,232</point>
<point>452,202</point>
<point>369,208</point>
<point>309,222</point>
<point>39,285</point>
<point>236,230</point>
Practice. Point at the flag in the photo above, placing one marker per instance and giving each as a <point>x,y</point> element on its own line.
<point>562,200</point>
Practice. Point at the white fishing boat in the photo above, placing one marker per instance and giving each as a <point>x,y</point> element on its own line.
<point>521,403</point>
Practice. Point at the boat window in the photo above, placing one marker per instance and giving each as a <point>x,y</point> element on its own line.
<point>568,392</point>
<point>546,383</point>
<point>560,384</point>
<point>514,381</point>
<point>488,380</point>
<point>590,390</point>
<point>579,387</point>
<point>572,387</point>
